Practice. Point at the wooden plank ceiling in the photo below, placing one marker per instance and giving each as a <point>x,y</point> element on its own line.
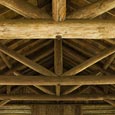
<point>64,59</point>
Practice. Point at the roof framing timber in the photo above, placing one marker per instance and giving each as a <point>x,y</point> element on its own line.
<point>59,10</point>
<point>24,8</point>
<point>45,80</point>
<point>93,10</point>
<point>29,63</point>
<point>48,29</point>
<point>77,69</point>
<point>81,97</point>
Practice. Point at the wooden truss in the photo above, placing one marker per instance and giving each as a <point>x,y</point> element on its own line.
<point>58,29</point>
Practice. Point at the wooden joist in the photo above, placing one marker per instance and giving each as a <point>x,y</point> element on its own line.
<point>27,62</point>
<point>49,81</point>
<point>47,29</point>
<point>93,10</point>
<point>90,62</point>
<point>59,10</point>
<point>81,97</point>
<point>24,8</point>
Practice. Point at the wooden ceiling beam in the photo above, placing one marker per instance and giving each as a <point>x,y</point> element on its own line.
<point>81,97</point>
<point>93,10</point>
<point>49,81</point>
<point>48,29</point>
<point>24,8</point>
<point>90,62</point>
<point>59,10</point>
<point>27,62</point>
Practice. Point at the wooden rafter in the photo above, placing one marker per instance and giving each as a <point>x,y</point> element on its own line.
<point>84,3</point>
<point>59,10</point>
<point>24,8</point>
<point>70,90</point>
<point>47,91</point>
<point>43,89</point>
<point>93,10</point>
<point>47,29</point>
<point>110,102</point>
<point>109,61</point>
<point>5,101</point>
<point>90,62</point>
<point>36,67</point>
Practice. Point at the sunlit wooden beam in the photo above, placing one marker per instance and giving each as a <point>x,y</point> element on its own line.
<point>48,29</point>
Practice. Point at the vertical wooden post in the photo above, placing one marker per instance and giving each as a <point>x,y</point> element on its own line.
<point>56,109</point>
<point>58,60</point>
<point>59,10</point>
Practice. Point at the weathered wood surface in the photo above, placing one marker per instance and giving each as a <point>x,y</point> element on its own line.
<point>81,97</point>
<point>24,8</point>
<point>56,109</point>
<point>70,80</point>
<point>77,69</point>
<point>82,29</point>
<point>93,10</point>
<point>59,10</point>
<point>29,63</point>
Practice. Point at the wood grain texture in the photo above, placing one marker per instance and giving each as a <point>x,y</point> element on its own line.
<point>24,8</point>
<point>59,10</point>
<point>77,69</point>
<point>29,63</point>
<point>81,97</point>
<point>56,109</point>
<point>93,10</point>
<point>42,29</point>
<point>49,81</point>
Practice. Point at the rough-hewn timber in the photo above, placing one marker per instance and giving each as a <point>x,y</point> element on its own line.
<point>82,29</point>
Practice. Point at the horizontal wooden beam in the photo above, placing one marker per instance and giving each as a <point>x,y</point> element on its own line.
<point>61,80</point>
<point>58,98</point>
<point>48,29</point>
